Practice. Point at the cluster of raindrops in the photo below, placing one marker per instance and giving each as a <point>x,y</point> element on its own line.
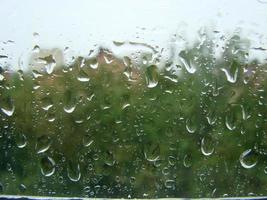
<point>139,125</point>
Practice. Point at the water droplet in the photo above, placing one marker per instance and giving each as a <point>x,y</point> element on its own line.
<point>233,116</point>
<point>43,144</point>
<point>152,76</point>
<point>73,171</point>
<point>211,117</point>
<point>7,106</point>
<point>87,140</point>
<point>108,60</point>
<point>231,73</point>
<point>152,152</point>
<point>191,125</point>
<point>50,63</point>
<point>189,65</point>
<point>83,76</point>
<point>207,146</point>
<point>187,161</point>
<point>248,159</point>
<point>36,49</point>
<point>69,101</point>
<point>22,187</point>
<point>21,140</point>
<point>170,184</point>
<point>47,166</point>
<point>109,158</point>
<point>93,64</point>
<point>46,103</point>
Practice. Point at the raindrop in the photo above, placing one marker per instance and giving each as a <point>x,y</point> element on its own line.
<point>211,117</point>
<point>83,76</point>
<point>69,102</point>
<point>46,103</point>
<point>187,161</point>
<point>21,140</point>
<point>87,140</point>
<point>94,64</point>
<point>248,159</point>
<point>170,184</point>
<point>109,158</point>
<point>232,118</point>
<point>50,63</point>
<point>152,152</point>
<point>73,171</point>
<point>47,166</point>
<point>189,65</point>
<point>152,76</point>
<point>191,125</point>
<point>231,74</point>
<point>207,146</point>
<point>108,60</point>
<point>43,143</point>
<point>22,187</point>
<point>7,106</point>
<point>36,49</point>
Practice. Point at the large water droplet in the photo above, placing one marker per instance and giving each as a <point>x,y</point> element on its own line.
<point>83,76</point>
<point>50,63</point>
<point>73,171</point>
<point>152,152</point>
<point>69,101</point>
<point>7,106</point>
<point>21,140</point>
<point>170,184</point>
<point>189,65</point>
<point>231,73</point>
<point>207,146</point>
<point>46,103</point>
<point>47,166</point>
<point>233,117</point>
<point>43,144</point>
<point>191,125</point>
<point>152,76</point>
<point>87,140</point>
<point>248,159</point>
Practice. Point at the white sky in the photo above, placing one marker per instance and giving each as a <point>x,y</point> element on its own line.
<point>81,24</point>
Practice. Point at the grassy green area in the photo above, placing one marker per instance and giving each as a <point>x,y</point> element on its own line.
<point>128,131</point>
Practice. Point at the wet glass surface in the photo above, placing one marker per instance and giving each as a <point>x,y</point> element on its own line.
<point>132,99</point>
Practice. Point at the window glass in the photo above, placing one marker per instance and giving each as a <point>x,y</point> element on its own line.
<point>133,99</point>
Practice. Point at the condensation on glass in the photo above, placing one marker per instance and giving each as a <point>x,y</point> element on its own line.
<point>133,99</point>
